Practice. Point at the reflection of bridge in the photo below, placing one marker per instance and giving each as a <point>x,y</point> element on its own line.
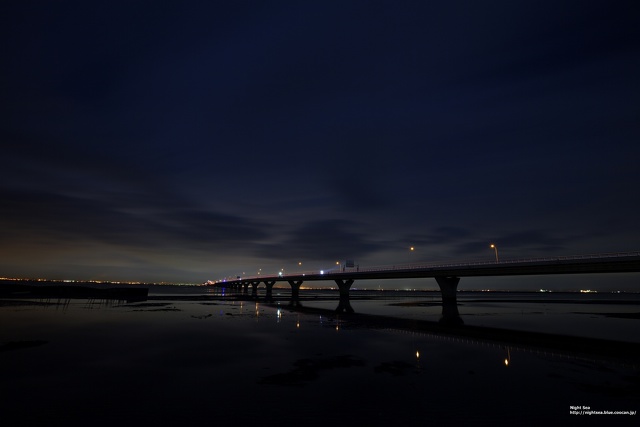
<point>447,275</point>
<point>510,340</point>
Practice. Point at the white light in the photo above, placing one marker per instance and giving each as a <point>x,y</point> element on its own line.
<point>321,271</point>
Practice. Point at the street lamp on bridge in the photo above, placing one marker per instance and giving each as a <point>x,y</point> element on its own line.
<point>495,249</point>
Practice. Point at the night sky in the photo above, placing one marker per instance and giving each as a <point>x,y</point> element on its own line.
<point>192,140</point>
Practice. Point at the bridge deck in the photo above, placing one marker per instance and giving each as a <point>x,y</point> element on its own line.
<point>602,263</point>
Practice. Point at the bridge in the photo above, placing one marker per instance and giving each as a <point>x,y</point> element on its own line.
<point>447,275</point>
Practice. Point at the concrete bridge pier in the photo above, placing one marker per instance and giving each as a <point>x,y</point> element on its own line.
<point>449,290</point>
<point>269,284</point>
<point>295,292</point>
<point>254,289</point>
<point>344,306</point>
<point>245,288</point>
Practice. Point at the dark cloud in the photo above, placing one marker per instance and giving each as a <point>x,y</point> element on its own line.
<point>522,245</point>
<point>57,217</point>
<point>322,241</point>
<point>448,234</point>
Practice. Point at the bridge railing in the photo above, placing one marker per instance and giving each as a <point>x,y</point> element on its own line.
<point>449,264</point>
<point>530,260</point>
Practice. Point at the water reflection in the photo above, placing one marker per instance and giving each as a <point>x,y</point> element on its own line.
<point>626,353</point>
<point>450,323</point>
<point>374,359</point>
<point>344,306</point>
<point>418,363</point>
<point>450,314</point>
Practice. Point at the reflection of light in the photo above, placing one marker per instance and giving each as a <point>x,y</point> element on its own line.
<point>418,364</point>
<point>507,360</point>
<point>337,327</point>
<point>298,322</point>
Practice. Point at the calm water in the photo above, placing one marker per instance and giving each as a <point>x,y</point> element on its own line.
<point>191,356</point>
